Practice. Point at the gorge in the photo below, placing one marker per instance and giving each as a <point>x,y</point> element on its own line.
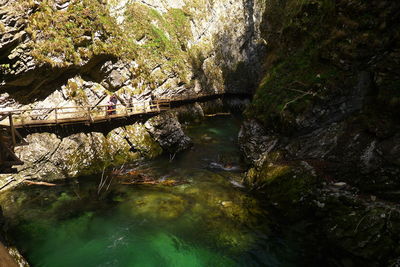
<point>304,173</point>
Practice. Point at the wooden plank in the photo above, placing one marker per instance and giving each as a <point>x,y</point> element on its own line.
<point>89,116</point>
<point>2,117</point>
<point>11,154</point>
<point>93,114</point>
<point>55,114</point>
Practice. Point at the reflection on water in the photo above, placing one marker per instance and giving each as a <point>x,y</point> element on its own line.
<point>207,219</point>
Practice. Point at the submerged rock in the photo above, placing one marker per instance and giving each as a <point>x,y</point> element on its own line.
<point>159,206</point>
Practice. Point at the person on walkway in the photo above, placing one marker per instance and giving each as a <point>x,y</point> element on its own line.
<point>129,104</point>
<point>112,105</point>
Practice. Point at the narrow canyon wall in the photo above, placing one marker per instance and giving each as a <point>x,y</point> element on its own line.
<point>69,53</point>
<point>322,134</point>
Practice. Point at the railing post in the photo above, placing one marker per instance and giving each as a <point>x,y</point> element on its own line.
<point>12,129</point>
<point>88,112</point>
<point>23,119</point>
<point>55,115</point>
<point>107,114</point>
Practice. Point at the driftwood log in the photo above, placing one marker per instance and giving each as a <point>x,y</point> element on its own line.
<point>28,182</point>
<point>136,178</point>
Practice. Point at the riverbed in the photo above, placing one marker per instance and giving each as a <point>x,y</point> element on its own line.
<point>202,217</point>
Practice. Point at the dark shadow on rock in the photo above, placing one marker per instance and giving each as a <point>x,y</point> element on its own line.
<point>37,84</point>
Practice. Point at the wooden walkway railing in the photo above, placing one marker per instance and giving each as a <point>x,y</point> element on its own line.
<point>8,141</point>
<point>38,117</point>
<point>81,114</point>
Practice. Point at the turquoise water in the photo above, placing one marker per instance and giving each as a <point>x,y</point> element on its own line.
<point>205,219</point>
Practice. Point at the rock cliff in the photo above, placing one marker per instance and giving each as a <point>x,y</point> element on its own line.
<point>321,135</point>
<point>322,130</point>
<point>68,53</point>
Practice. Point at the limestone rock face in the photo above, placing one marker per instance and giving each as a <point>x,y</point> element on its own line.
<point>348,154</point>
<point>139,50</point>
<point>332,108</point>
<point>50,157</point>
<point>135,139</point>
<point>330,103</point>
<point>167,131</point>
<point>196,50</point>
<point>255,141</point>
<point>14,53</point>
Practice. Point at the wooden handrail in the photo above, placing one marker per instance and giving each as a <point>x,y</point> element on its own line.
<point>85,107</point>
<point>54,115</point>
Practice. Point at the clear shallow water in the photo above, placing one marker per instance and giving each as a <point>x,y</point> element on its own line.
<point>205,220</point>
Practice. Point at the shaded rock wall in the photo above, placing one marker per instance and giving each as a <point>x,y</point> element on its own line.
<point>330,92</point>
<point>322,131</point>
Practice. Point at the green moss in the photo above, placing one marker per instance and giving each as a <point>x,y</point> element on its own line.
<point>87,29</point>
<point>292,86</point>
<point>2,28</point>
<point>75,92</point>
<point>283,183</point>
<point>161,39</point>
<point>74,36</point>
<point>71,35</point>
<point>309,47</point>
<point>159,206</point>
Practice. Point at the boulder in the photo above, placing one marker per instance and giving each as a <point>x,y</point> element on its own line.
<point>167,131</point>
<point>255,141</point>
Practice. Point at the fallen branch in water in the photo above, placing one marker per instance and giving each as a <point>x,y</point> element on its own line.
<point>29,182</point>
<point>153,182</point>
<point>171,157</point>
<point>135,177</point>
<point>102,182</point>
<point>8,182</point>
<point>217,114</point>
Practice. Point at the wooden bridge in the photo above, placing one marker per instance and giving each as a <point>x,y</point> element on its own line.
<point>39,117</point>
<point>11,121</point>
<point>8,141</point>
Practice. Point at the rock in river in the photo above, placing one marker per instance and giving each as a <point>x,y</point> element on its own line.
<point>167,131</point>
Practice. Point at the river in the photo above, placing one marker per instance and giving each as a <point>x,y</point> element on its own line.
<point>203,218</point>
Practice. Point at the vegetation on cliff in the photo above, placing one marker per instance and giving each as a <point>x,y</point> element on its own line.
<point>328,104</point>
<point>86,28</point>
<point>316,50</point>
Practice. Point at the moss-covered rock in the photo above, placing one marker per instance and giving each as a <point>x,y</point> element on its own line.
<point>49,157</point>
<point>131,142</point>
<point>285,183</point>
<point>316,51</point>
<point>159,206</point>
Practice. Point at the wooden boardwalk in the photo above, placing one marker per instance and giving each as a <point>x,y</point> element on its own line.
<point>12,120</point>
<point>71,115</point>
<point>28,118</point>
<point>8,141</point>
